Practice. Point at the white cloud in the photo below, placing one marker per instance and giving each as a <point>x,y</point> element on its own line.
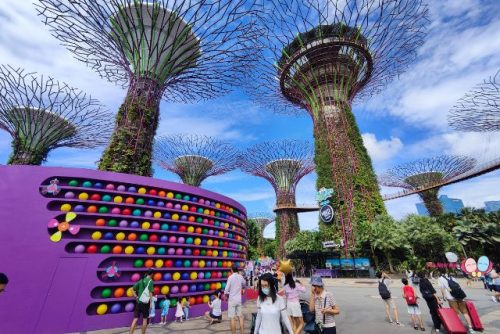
<point>251,195</point>
<point>381,150</point>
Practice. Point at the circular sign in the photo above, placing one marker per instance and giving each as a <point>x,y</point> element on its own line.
<point>451,257</point>
<point>470,265</point>
<point>326,213</point>
<point>483,263</point>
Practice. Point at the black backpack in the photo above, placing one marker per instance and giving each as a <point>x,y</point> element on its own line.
<point>383,290</point>
<point>455,289</point>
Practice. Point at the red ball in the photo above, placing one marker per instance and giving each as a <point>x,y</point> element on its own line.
<point>199,300</point>
<point>226,244</point>
<point>153,238</point>
<point>92,249</point>
<point>182,228</point>
<point>192,209</point>
<point>210,222</point>
<point>196,252</point>
<point>156,290</point>
<point>169,263</point>
<point>95,197</point>
<point>153,192</point>
<point>126,212</point>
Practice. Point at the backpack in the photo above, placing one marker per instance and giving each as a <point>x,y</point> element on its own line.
<point>410,296</point>
<point>424,289</point>
<point>383,290</point>
<point>455,289</point>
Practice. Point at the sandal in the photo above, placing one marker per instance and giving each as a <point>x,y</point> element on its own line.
<point>422,329</point>
<point>415,328</point>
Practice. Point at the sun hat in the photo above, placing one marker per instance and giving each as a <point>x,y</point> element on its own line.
<point>316,281</point>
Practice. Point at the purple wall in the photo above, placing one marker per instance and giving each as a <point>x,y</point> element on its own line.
<point>55,288</point>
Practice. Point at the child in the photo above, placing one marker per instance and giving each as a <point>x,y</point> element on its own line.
<point>164,311</point>
<point>152,309</point>
<point>178,311</point>
<point>215,313</point>
<point>413,309</point>
<point>185,308</point>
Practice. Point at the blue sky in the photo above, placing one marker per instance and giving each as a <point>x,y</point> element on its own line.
<point>406,122</point>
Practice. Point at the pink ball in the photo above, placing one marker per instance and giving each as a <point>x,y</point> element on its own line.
<point>174,289</point>
<point>177,206</point>
<point>110,186</point>
<point>129,307</point>
<point>172,239</point>
<point>135,277</point>
<point>205,221</point>
<point>184,288</point>
<point>201,201</point>
<point>180,240</point>
<point>195,263</point>
<point>169,205</point>
<point>171,251</point>
<point>201,275</point>
<point>115,211</point>
<point>156,226</point>
<point>219,274</point>
<point>178,251</point>
<point>148,214</point>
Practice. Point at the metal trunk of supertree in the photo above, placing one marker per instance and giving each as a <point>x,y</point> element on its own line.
<point>326,54</point>
<point>42,114</point>
<point>262,220</point>
<point>424,173</point>
<point>194,158</point>
<point>172,49</point>
<point>283,163</point>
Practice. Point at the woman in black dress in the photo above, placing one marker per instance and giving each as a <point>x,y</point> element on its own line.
<point>429,294</point>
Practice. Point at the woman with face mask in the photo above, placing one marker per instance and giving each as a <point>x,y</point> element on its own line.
<point>271,308</point>
<point>324,306</point>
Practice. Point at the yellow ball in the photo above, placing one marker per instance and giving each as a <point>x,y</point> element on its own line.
<point>210,242</point>
<point>224,253</point>
<point>130,292</point>
<point>129,250</point>
<point>221,234</point>
<point>66,207</point>
<point>175,216</point>
<point>176,276</point>
<point>118,199</point>
<point>201,264</point>
<point>217,205</point>
<point>184,207</point>
<point>141,191</point>
<point>226,225</point>
<point>197,241</point>
<point>190,229</point>
<point>215,253</point>
<point>170,195</point>
<point>96,235</point>
<point>146,225</point>
<point>206,299</point>
<point>193,275</point>
<point>150,250</point>
<point>83,196</point>
<point>206,211</point>
<point>159,263</point>
<point>102,309</point>
<point>165,290</point>
<point>157,214</point>
<point>231,210</point>
<point>120,236</point>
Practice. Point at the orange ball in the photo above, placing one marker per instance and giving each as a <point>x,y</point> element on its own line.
<point>198,230</point>
<point>161,193</point>
<point>92,209</point>
<point>209,252</point>
<point>213,286</point>
<point>100,222</point>
<point>192,301</point>
<point>157,277</point>
<point>148,263</point>
<point>132,236</point>
<point>129,200</point>
<point>191,219</point>
<point>119,292</point>
<point>117,249</point>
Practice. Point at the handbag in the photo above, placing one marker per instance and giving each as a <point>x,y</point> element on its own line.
<point>144,298</point>
<point>315,327</point>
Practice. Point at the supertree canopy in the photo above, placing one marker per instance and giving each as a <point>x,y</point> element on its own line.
<point>262,220</point>
<point>479,109</point>
<point>425,173</point>
<point>283,163</point>
<point>176,49</point>
<point>319,56</point>
<point>194,158</point>
<point>42,114</point>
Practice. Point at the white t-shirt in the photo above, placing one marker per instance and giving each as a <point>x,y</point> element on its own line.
<point>234,284</point>
<point>443,284</point>
<point>270,315</point>
<point>216,307</point>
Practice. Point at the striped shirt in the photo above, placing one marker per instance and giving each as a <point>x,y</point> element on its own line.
<point>319,303</point>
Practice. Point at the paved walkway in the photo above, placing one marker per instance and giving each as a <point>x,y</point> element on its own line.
<point>361,312</point>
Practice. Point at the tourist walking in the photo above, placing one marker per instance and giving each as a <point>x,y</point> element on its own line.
<point>292,290</point>
<point>383,288</point>
<point>453,293</point>
<point>271,308</point>
<point>235,287</point>
<point>412,304</point>
<point>429,295</point>
<point>324,306</point>
<point>143,292</point>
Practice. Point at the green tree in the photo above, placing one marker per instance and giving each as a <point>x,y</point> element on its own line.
<point>270,247</point>
<point>305,241</point>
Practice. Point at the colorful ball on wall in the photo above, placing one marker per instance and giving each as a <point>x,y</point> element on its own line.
<point>119,292</point>
<point>176,276</point>
<point>102,309</point>
<point>106,293</point>
<point>116,308</point>
<point>129,307</point>
<point>165,290</point>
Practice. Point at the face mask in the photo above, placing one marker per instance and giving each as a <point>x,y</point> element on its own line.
<point>266,291</point>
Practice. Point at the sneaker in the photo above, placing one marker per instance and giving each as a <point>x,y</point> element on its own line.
<point>471,331</point>
<point>494,299</point>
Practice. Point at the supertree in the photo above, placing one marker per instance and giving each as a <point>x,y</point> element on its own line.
<point>194,158</point>
<point>479,109</point>
<point>319,56</point>
<point>42,114</point>
<point>176,49</point>
<point>427,172</point>
<point>262,220</point>
<point>283,163</point>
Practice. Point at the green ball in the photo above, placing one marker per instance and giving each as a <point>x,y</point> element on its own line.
<point>187,263</point>
<point>178,196</point>
<point>103,209</point>
<point>199,220</point>
<point>136,212</point>
<point>105,249</point>
<point>138,263</point>
<point>173,302</point>
<point>219,264</point>
<point>112,222</point>
<point>73,183</point>
<point>106,198</point>
<point>224,274</point>
<point>161,251</point>
<point>143,237</point>
<point>205,231</point>
<point>203,252</point>
<point>206,287</point>
<point>217,214</point>
<point>87,184</point>
<point>106,293</point>
<point>139,201</point>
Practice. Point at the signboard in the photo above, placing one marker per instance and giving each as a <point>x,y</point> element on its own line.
<point>323,195</point>
<point>358,263</point>
<point>483,263</point>
<point>326,213</point>
<point>330,244</point>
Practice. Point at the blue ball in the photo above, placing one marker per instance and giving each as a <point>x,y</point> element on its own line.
<point>160,203</point>
<point>185,276</point>
<point>108,236</point>
<point>164,227</point>
<point>203,241</point>
<point>174,228</point>
<point>200,287</point>
<point>178,263</point>
<point>116,308</point>
<point>194,199</point>
<point>99,185</point>
<point>192,288</point>
<point>132,190</point>
<point>167,215</point>
<point>134,224</point>
<point>188,252</point>
<point>79,208</point>
<point>164,238</point>
<point>151,202</point>
<point>140,250</point>
<point>167,277</point>
<point>184,218</point>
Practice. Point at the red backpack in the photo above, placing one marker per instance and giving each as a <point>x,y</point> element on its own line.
<point>410,297</point>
